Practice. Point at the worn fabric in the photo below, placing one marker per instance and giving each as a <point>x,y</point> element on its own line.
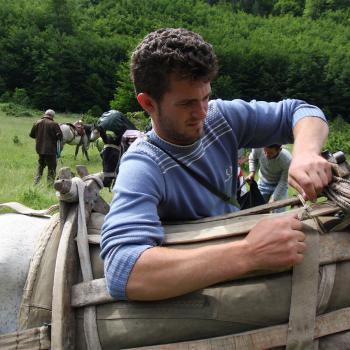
<point>18,237</point>
<point>152,187</point>
<point>46,132</point>
<point>224,309</point>
<point>273,173</point>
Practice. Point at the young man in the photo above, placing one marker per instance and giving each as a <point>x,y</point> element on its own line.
<point>241,185</point>
<point>172,70</point>
<point>46,132</point>
<point>273,162</point>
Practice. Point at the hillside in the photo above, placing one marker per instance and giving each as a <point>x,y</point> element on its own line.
<point>72,55</point>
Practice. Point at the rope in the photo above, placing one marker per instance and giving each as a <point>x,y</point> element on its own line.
<point>307,214</point>
<point>338,191</point>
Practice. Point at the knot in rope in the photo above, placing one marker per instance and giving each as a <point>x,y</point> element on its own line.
<point>306,214</point>
<point>338,191</point>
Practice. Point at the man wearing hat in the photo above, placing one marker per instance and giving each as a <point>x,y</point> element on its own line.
<point>46,132</point>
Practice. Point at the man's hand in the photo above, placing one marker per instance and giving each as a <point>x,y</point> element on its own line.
<point>276,243</point>
<point>309,174</point>
<point>249,179</point>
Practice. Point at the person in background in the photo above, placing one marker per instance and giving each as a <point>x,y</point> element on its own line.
<point>46,133</point>
<point>273,162</point>
<point>241,186</point>
<point>172,71</point>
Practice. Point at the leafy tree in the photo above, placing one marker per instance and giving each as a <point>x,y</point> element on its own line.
<point>124,98</point>
<point>73,54</point>
<point>314,8</point>
<point>291,7</point>
<point>60,16</point>
<point>338,138</point>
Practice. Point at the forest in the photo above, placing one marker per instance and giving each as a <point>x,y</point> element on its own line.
<point>73,55</point>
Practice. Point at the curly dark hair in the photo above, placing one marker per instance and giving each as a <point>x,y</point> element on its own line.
<point>275,146</point>
<point>170,51</point>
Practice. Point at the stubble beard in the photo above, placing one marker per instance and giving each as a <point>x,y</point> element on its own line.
<point>170,133</point>
<point>182,138</point>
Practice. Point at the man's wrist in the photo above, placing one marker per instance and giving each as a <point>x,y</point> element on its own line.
<point>243,258</point>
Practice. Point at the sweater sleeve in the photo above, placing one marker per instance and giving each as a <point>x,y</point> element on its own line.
<point>253,159</point>
<point>282,185</point>
<point>124,239</point>
<point>258,123</point>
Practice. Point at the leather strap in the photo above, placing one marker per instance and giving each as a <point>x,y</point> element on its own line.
<point>304,294</point>
<point>263,338</point>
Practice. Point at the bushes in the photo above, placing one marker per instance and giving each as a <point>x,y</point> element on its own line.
<point>77,58</point>
<point>95,111</point>
<point>21,97</point>
<point>13,110</point>
<point>89,119</point>
<point>18,97</point>
<point>140,119</point>
<point>338,139</point>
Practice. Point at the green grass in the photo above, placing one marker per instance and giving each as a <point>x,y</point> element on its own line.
<point>18,161</point>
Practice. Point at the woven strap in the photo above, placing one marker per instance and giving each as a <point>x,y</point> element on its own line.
<point>304,294</point>
<point>90,323</point>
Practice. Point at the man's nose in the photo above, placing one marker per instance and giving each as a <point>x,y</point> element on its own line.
<point>201,110</point>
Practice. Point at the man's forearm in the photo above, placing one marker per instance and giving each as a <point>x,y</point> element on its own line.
<point>310,134</point>
<point>162,273</point>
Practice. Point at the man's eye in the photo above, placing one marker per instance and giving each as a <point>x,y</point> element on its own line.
<point>187,103</point>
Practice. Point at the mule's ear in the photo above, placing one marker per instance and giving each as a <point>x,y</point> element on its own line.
<point>147,102</point>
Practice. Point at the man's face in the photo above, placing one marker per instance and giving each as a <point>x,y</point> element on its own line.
<point>179,117</point>
<point>271,152</point>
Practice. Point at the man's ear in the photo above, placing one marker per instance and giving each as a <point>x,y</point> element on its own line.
<point>147,103</point>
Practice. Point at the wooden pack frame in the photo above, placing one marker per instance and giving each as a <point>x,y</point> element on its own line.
<point>70,296</point>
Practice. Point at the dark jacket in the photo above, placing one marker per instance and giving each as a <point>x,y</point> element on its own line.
<point>46,132</point>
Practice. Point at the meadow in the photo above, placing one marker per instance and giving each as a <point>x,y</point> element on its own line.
<point>18,159</point>
<point>18,162</point>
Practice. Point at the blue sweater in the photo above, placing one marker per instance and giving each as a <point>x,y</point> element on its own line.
<point>151,187</point>
<point>272,171</point>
